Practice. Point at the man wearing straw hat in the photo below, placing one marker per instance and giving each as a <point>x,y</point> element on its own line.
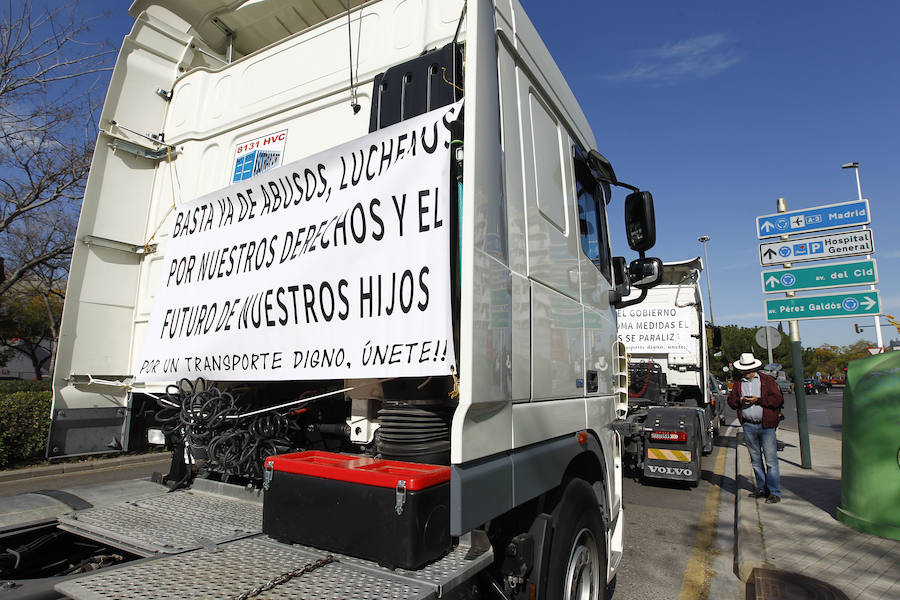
<point>758,401</point>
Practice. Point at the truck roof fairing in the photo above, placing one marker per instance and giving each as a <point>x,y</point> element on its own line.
<point>675,273</point>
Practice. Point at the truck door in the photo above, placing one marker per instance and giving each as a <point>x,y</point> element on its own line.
<point>553,254</point>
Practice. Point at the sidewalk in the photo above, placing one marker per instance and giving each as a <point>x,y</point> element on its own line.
<point>801,535</point>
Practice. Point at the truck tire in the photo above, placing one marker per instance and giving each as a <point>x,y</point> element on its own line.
<point>577,569</point>
<point>709,446</point>
<point>699,473</point>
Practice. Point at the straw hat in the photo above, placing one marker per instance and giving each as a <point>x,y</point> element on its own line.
<point>747,362</point>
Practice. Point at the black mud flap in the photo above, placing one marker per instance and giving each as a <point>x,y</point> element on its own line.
<point>672,450</point>
<point>77,431</point>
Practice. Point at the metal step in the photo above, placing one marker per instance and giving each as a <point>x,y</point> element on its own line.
<point>244,564</point>
<point>169,523</point>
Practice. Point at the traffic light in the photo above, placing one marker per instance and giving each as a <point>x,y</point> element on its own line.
<point>857,328</point>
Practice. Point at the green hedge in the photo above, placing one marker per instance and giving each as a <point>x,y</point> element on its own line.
<point>8,386</point>
<point>24,424</point>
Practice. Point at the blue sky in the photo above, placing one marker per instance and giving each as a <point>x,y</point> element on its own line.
<point>719,108</point>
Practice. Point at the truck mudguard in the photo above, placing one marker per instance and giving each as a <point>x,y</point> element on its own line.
<point>482,490</point>
<point>675,459</point>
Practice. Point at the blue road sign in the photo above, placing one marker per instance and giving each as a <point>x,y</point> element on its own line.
<point>817,218</point>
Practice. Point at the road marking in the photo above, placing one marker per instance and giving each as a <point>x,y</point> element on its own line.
<point>698,572</point>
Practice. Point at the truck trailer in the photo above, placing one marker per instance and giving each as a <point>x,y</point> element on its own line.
<point>350,262</point>
<point>675,406</point>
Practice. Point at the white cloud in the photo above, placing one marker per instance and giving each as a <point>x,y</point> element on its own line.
<point>699,57</point>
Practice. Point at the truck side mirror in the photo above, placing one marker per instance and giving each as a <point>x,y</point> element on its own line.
<point>645,273</point>
<point>640,221</point>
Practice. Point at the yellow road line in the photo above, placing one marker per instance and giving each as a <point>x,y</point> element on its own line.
<point>698,572</point>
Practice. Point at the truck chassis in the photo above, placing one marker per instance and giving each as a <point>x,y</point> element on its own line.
<point>207,542</point>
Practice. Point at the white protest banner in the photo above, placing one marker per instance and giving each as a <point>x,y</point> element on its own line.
<point>334,266</point>
<point>654,329</point>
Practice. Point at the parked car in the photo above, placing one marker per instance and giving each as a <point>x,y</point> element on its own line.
<point>785,385</point>
<point>814,386</point>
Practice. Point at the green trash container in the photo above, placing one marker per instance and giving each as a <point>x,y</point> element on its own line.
<point>870,469</point>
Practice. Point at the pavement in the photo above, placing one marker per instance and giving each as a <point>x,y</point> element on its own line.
<point>779,546</point>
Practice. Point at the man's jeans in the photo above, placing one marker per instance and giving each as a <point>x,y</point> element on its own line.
<point>758,438</point>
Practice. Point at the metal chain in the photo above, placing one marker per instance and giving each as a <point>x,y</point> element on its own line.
<point>284,578</point>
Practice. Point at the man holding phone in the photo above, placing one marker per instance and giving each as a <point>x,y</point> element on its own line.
<point>758,401</point>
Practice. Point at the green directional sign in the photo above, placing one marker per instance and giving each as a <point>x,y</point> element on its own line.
<point>829,306</point>
<point>858,272</point>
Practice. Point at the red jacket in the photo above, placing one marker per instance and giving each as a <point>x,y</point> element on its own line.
<point>770,399</point>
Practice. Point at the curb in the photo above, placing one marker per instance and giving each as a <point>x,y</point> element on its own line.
<point>748,541</point>
<point>88,465</point>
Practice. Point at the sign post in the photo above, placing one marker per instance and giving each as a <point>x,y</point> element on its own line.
<point>797,360</point>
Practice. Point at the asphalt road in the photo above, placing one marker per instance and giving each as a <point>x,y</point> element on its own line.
<point>824,413</point>
<point>661,536</point>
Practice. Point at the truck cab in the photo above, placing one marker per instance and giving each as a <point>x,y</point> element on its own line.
<point>219,113</point>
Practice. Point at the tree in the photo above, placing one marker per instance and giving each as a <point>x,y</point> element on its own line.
<point>827,359</point>
<point>29,323</point>
<point>48,76</point>
<point>736,340</point>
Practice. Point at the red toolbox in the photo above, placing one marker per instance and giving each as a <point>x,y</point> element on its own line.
<point>394,513</point>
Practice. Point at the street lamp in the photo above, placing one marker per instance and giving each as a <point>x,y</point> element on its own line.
<point>703,239</point>
<point>855,167</point>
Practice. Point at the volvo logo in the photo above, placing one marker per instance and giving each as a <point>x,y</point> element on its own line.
<point>670,470</point>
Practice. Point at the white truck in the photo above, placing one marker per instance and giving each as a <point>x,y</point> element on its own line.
<point>381,228</point>
<point>675,406</point>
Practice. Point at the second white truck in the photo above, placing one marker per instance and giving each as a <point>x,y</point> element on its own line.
<point>674,403</point>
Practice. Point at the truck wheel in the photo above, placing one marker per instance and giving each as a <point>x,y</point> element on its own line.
<point>708,446</point>
<point>697,475</point>
<point>578,552</point>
